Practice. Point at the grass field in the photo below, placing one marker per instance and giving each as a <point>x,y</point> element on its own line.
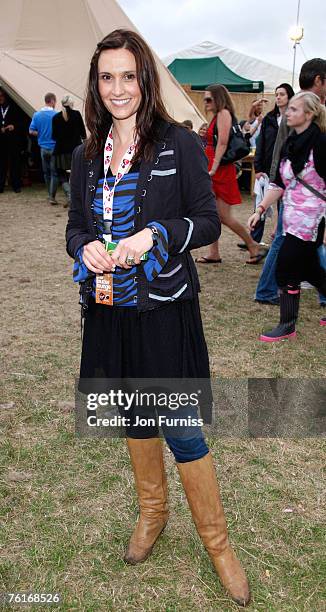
<point>68,505</point>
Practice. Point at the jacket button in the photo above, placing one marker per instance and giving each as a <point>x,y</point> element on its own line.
<point>91,173</point>
<point>138,209</point>
<point>91,187</point>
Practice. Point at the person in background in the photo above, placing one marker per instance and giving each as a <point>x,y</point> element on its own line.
<point>300,181</point>
<point>224,181</point>
<point>248,129</point>
<point>265,145</point>
<point>256,116</point>
<point>41,127</point>
<point>269,128</point>
<point>68,131</point>
<point>322,261</point>
<point>188,124</point>
<point>202,133</point>
<point>10,143</point>
<point>312,78</point>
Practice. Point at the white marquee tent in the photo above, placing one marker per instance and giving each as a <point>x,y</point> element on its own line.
<point>46,45</point>
<point>243,65</point>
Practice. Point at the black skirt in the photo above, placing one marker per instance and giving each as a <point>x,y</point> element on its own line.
<point>63,161</point>
<point>166,342</point>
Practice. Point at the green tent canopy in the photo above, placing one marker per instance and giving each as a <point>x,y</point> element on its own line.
<point>200,73</point>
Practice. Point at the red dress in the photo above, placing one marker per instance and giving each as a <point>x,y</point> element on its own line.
<point>225,184</point>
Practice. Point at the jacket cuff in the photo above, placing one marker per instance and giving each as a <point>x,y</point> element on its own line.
<point>158,254</point>
<point>80,271</point>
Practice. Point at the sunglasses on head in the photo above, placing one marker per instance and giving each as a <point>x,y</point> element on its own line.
<point>208,99</point>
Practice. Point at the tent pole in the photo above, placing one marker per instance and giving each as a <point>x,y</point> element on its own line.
<point>294,58</point>
<point>295,43</point>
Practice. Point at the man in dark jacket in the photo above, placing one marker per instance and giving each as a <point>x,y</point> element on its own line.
<point>10,143</point>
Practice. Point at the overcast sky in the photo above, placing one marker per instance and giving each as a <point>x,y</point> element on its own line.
<point>258,28</point>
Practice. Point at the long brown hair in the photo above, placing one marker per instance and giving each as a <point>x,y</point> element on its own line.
<point>98,119</point>
<point>221,98</point>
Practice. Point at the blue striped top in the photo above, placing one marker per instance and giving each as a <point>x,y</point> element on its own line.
<point>124,281</point>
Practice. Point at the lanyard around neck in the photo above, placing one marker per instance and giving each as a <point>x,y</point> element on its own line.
<point>3,113</point>
<point>108,194</point>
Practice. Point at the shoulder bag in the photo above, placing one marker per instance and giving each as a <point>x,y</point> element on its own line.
<point>237,146</point>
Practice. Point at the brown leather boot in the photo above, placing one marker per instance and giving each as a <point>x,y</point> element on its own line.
<point>148,466</point>
<point>201,488</point>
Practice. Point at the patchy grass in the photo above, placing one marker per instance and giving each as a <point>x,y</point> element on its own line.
<point>67,506</point>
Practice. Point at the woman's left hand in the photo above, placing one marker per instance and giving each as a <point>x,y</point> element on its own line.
<point>133,247</point>
<point>253,220</point>
<point>212,171</point>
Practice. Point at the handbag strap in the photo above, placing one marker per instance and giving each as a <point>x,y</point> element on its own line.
<point>312,189</point>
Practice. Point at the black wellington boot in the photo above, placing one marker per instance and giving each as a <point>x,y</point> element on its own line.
<point>289,308</point>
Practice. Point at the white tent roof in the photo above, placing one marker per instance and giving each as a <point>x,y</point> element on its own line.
<point>243,65</point>
<point>46,45</point>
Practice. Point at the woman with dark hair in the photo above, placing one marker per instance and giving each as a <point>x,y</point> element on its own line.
<point>224,180</point>
<point>265,144</point>
<point>269,128</point>
<point>140,185</point>
<point>68,131</point>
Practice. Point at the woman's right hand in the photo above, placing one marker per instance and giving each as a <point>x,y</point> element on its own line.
<point>253,220</point>
<point>96,259</point>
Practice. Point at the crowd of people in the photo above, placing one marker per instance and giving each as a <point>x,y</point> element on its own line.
<point>268,135</point>
<point>294,131</point>
<point>57,135</point>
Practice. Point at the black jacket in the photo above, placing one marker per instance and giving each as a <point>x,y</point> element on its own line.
<point>173,189</point>
<point>67,134</point>
<point>265,143</point>
<point>17,138</point>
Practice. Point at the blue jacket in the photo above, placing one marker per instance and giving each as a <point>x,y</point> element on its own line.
<point>174,189</point>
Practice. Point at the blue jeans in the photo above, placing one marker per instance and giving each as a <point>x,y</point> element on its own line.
<point>49,171</point>
<point>187,442</point>
<point>322,260</point>
<point>63,179</point>
<point>267,288</point>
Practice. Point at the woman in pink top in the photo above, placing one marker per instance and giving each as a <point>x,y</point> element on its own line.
<point>300,181</point>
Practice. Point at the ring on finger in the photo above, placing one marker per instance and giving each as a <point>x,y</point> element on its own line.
<point>130,260</point>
